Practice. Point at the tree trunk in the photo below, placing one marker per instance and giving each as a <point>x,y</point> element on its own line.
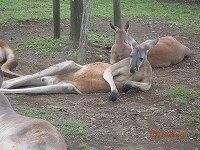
<point>117,13</point>
<point>76,7</point>
<point>56,18</point>
<point>84,32</point>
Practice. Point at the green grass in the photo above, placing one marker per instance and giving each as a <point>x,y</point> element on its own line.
<point>102,38</point>
<point>102,116</point>
<point>15,96</point>
<point>50,46</point>
<point>66,127</point>
<point>83,146</point>
<point>185,96</point>
<point>72,54</point>
<point>43,45</point>
<point>36,113</point>
<point>181,93</point>
<point>183,17</point>
<point>23,10</point>
<point>72,127</point>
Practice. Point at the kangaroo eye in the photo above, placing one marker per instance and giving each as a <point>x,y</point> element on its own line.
<point>141,59</point>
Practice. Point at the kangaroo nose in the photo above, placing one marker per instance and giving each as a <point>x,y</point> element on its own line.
<point>132,70</point>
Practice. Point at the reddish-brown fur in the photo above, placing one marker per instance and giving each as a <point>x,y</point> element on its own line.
<point>167,52</point>
<point>69,77</point>
<point>7,54</point>
<point>121,48</point>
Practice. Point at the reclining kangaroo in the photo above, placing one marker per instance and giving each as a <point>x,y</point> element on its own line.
<point>7,54</point>
<point>23,133</point>
<point>167,52</point>
<point>69,77</point>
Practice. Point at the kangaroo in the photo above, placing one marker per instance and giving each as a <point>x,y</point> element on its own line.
<point>121,48</point>
<point>70,77</point>
<point>7,54</point>
<point>23,133</point>
<point>167,52</point>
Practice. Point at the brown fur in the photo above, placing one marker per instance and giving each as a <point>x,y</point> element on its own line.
<point>167,52</point>
<point>121,48</point>
<point>69,77</point>
<point>7,54</point>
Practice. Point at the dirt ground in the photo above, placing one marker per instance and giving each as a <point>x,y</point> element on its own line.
<point>127,123</point>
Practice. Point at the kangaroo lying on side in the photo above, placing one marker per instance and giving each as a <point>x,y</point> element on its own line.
<point>167,52</point>
<point>7,54</point>
<point>23,133</point>
<point>69,77</point>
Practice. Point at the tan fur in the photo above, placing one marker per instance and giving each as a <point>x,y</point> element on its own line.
<point>69,77</point>
<point>121,48</point>
<point>23,133</point>
<point>167,52</point>
<point>8,55</point>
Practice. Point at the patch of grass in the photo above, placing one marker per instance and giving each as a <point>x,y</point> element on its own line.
<point>15,96</point>
<point>128,129</point>
<point>72,54</point>
<point>44,45</point>
<point>71,127</point>
<point>15,102</point>
<point>183,17</point>
<point>197,131</point>
<point>178,93</point>
<point>198,84</point>
<point>16,10</point>
<point>100,38</point>
<point>194,115</point>
<point>83,146</point>
<point>102,116</point>
<point>36,113</point>
<point>183,95</point>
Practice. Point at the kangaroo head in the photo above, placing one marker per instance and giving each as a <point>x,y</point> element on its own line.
<point>120,34</point>
<point>138,55</point>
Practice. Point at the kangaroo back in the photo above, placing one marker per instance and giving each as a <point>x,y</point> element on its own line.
<point>167,52</point>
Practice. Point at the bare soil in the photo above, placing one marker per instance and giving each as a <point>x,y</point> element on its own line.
<point>129,122</point>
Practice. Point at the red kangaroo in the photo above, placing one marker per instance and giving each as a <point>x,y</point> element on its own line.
<point>167,52</point>
<point>70,77</point>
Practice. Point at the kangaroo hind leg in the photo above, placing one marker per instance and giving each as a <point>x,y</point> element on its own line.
<point>22,81</point>
<point>61,88</point>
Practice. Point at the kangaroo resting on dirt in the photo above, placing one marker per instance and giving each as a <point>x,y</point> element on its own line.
<point>167,52</point>
<point>69,77</point>
<point>8,55</point>
<point>121,48</point>
<point>23,133</point>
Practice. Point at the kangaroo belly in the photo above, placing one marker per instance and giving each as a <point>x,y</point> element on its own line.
<point>88,79</point>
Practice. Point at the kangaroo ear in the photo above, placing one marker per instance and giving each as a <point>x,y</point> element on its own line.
<point>148,44</point>
<point>113,27</point>
<point>126,26</point>
<point>1,78</point>
<point>131,40</point>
